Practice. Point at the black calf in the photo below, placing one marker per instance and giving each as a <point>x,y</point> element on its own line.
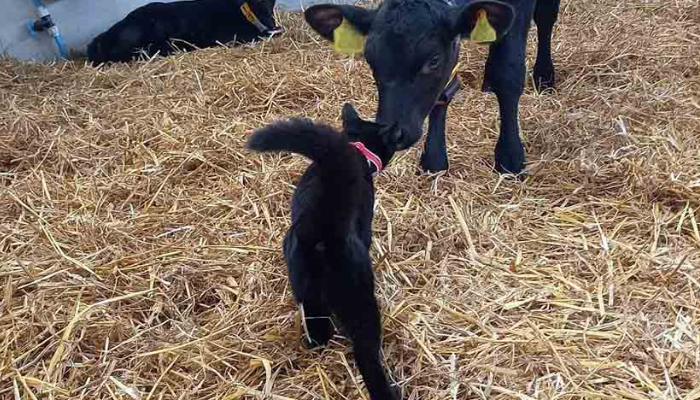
<point>187,24</point>
<point>327,247</point>
<point>412,47</point>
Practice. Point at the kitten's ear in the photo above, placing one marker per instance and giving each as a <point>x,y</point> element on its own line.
<point>349,113</point>
<point>349,117</point>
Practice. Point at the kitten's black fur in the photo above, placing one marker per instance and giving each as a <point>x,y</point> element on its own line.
<point>327,247</point>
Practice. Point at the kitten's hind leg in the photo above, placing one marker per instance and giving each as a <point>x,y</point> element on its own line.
<point>351,295</point>
<point>317,326</point>
<point>309,291</point>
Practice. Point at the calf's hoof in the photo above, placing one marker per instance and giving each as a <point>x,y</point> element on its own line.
<point>543,78</point>
<point>510,162</point>
<point>432,165</point>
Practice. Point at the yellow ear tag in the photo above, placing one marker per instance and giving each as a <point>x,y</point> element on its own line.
<point>483,32</point>
<point>347,39</point>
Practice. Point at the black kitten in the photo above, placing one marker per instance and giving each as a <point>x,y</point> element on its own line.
<point>327,247</point>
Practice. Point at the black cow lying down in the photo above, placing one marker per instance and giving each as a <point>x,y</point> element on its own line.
<point>412,47</point>
<point>156,27</point>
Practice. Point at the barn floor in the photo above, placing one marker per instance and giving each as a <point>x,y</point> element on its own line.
<point>140,244</point>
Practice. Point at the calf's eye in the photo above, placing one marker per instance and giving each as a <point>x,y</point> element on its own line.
<point>432,64</point>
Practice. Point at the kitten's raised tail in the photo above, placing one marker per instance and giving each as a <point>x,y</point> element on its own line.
<point>339,167</point>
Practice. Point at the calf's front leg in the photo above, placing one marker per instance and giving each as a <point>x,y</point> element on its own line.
<point>434,157</point>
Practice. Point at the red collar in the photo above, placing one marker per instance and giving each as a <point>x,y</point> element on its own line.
<point>372,158</point>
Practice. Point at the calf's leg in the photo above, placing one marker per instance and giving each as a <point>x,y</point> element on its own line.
<point>505,76</point>
<point>434,157</point>
<point>546,12</point>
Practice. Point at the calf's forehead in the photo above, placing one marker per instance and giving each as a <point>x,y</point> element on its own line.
<point>402,27</point>
<point>388,49</point>
<point>406,17</point>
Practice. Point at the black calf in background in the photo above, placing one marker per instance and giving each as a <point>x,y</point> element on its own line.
<point>412,47</point>
<point>199,23</point>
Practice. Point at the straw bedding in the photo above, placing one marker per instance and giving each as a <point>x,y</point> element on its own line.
<point>140,244</point>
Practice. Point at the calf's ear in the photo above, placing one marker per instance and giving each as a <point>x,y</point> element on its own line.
<point>483,21</point>
<point>345,26</point>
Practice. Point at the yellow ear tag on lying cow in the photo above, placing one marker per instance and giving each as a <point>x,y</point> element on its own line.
<point>483,32</point>
<point>347,39</point>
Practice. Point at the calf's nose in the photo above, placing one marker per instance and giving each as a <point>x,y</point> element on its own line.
<point>404,140</point>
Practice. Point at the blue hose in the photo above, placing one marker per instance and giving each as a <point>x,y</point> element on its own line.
<point>45,23</point>
<point>30,28</point>
<point>61,45</point>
